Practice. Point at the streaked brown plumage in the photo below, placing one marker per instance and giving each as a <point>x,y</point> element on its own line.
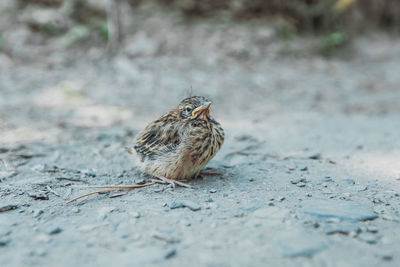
<point>181,142</point>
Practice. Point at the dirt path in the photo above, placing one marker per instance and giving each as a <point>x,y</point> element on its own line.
<point>311,173</point>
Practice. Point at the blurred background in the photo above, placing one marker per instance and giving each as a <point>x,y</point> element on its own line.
<point>97,63</point>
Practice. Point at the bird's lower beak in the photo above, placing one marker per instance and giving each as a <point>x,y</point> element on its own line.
<point>203,110</point>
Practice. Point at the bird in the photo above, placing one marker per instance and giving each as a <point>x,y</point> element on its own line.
<point>179,144</point>
<point>174,148</point>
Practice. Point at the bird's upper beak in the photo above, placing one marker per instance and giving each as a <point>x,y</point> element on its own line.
<point>202,111</point>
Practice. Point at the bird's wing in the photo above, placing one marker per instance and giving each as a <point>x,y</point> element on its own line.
<point>156,140</point>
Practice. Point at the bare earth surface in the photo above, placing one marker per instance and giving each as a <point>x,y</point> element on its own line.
<point>311,161</point>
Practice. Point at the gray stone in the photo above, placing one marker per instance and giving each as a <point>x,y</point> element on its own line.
<point>135,214</point>
<point>298,180</point>
<point>315,156</point>
<point>103,212</point>
<point>359,188</point>
<point>75,210</point>
<point>208,199</point>
<point>140,181</point>
<point>369,238</point>
<point>301,185</point>
<point>296,243</point>
<point>176,205</point>
<point>4,241</point>
<point>372,229</point>
<point>36,213</point>
<point>53,229</point>
<point>166,238</point>
<point>341,228</point>
<point>170,253</point>
<point>191,205</point>
<point>88,173</point>
<point>331,208</point>
<point>38,196</point>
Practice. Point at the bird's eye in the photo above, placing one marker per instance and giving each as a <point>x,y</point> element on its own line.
<point>188,108</point>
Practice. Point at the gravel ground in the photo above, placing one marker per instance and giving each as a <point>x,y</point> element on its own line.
<point>310,166</point>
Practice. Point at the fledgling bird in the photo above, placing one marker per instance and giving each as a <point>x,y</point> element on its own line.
<point>180,143</point>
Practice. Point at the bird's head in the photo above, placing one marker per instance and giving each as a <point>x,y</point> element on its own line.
<point>195,107</point>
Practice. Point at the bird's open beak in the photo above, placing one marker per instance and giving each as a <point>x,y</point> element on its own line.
<point>202,111</point>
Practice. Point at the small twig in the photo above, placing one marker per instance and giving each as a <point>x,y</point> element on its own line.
<point>118,195</point>
<point>88,194</point>
<point>115,187</point>
<point>109,188</point>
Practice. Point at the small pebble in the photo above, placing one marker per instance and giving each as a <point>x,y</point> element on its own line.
<point>299,180</point>
<point>387,257</point>
<point>346,195</point>
<point>75,210</point>
<point>369,238</point>
<point>38,196</point>
<point>135,214</point>
<point>170,253</point>
<point>186,223</point>
<point>213,191</point>
<point>251,180</point>
<point>4,241</point>
<point>191,205</point>
<point>305,168</point>
<point>88,173</point>
<point>315,156</point>
<point>37,212</point>
<point>301,184</point>
<point>208,199</point>
<point>372,229</point>
<point>176,205</point>
<point>140,181</point>
<point>53,229</point>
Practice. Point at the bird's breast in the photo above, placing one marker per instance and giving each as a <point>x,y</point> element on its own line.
<point>205,139</point>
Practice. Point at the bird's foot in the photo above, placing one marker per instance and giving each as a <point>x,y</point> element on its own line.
<point>173,183</point>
